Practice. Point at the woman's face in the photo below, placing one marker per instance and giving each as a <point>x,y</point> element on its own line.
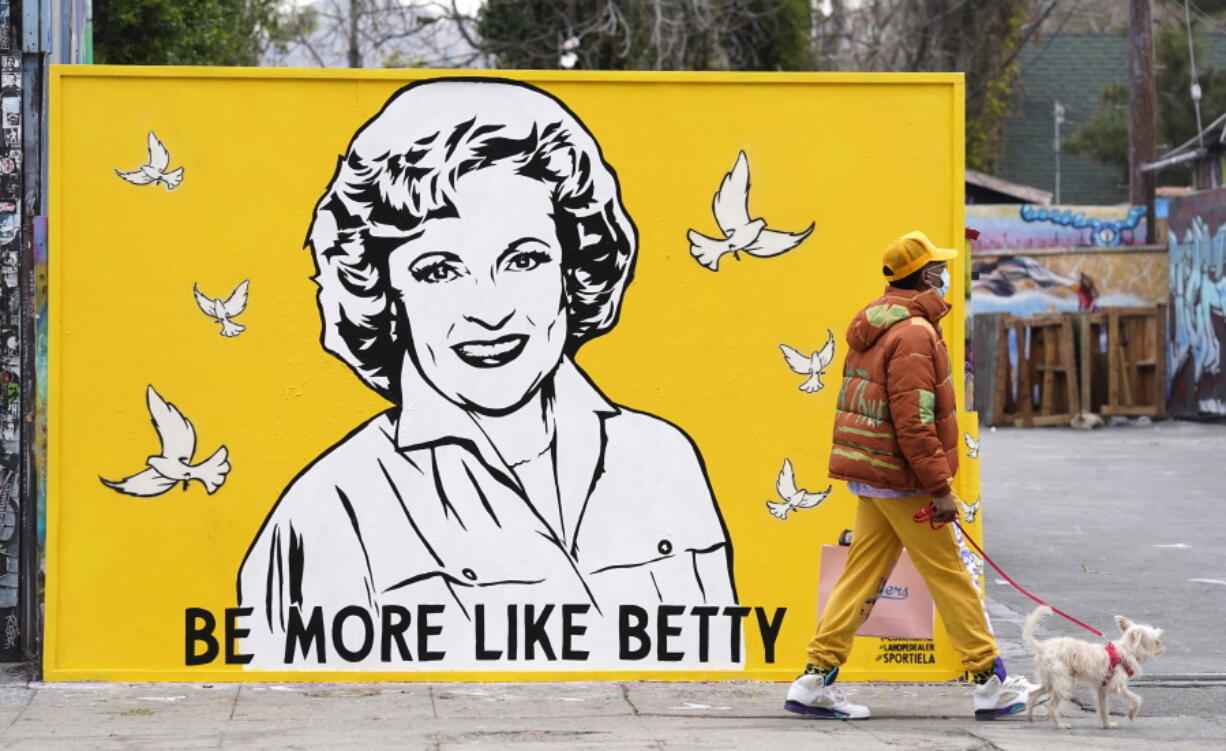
<point>482,292</point>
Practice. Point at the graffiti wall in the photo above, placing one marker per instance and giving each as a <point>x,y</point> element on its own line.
<point>1014,227</point>
<point>1197,230</point>
<point>1041,259</point>
<point>466,378</point>
<point>1066,282</point>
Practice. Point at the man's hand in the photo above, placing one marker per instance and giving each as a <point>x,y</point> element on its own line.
<point>946,508</point>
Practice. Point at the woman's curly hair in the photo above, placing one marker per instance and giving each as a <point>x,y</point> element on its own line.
<point>401,169</point>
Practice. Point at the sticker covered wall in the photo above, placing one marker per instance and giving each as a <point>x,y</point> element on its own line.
<point>416,376</point>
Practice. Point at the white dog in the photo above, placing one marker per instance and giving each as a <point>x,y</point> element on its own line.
<point>1060,663</point>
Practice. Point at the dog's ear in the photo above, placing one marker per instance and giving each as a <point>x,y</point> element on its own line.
<point>1123,623</point>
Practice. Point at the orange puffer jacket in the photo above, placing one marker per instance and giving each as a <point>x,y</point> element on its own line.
<point>896,426</point>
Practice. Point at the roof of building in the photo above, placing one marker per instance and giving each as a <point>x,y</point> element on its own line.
<point>1072,69</point>
<point>1212,136</point>
<point>1007,190</point>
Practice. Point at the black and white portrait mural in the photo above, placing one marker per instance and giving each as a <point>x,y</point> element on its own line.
<point>503,511</point>
<point>434,377</point>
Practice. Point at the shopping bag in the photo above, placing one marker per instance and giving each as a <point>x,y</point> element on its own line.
<point>903,609</point>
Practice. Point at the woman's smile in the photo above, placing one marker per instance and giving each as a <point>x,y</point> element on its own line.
<point>491,353</point>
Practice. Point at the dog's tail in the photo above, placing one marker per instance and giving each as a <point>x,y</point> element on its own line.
<point>1028,627</point>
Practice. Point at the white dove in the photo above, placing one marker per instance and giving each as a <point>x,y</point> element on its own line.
<point>972,446</point>
<point>154,170</point>
<point>173,466</point>
<point>222,312</point>
<point>813,365</point>
<point>794,499</point>
<point>731,209</point>
<point>969,512</point>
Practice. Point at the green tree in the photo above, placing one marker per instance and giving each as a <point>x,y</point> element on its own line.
<point>1104,136</point>
<point>183,32</point>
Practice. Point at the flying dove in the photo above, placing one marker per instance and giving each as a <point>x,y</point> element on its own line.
<point>970,511</point>
<point>173,465</point>
<point>731,209</point>
<point>154,170</point>
<point>793,499</point>
<point>222,312</point>
<point>813,365</point>
<point>972,446</point>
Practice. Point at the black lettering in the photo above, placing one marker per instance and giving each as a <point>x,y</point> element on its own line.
<point>234,633</point>
<point>394,629</point>
<point>512,632</point>
<point>482,652</point>
<point>626,631</point>
<point>192,634</point>
<point>425,631</point>
<point>735,615</point>
<point>572,630</point>
<point>311,634</point>
<point>338,633</point>
<point>770,632</point>
<point>664,630</point>
<point>534,633</point>
<point>704,614</point>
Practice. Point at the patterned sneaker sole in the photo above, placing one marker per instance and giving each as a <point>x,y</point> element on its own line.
<point>822,712</point>
<point>992,714</point>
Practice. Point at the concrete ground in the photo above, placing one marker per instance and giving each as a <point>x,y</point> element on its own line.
<point>98,717</point>
<point>1127,519</point>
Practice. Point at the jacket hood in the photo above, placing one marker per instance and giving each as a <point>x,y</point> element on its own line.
<point>894,306</point>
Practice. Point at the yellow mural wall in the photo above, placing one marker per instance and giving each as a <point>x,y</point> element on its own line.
<point>864,158</point>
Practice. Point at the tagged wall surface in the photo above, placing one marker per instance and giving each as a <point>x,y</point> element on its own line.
<point>402,375</point>
<point>1198,304</point>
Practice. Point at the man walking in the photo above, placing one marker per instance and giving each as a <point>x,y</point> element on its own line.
<point>896,445</point>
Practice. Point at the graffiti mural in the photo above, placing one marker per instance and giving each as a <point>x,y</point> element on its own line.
<point>1013,227</point>
<point>1039,259</point>
<point>1197,305</point>
<point>456,394</point>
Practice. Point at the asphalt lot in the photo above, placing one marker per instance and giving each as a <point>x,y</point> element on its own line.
<point>1128,520</point>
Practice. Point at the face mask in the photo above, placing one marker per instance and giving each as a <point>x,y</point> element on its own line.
<point>940,283</point>
<point>943,287</point>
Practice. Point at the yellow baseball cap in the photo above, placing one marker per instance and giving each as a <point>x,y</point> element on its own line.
<point>910,253</point>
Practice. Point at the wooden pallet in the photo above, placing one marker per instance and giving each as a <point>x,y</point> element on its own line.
<point>1092,360</point>
<point>1045,373</point>
<point>1136,369</point>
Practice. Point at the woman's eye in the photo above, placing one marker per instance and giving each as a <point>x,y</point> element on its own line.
<point>434,273</point>
<point>527,260</point>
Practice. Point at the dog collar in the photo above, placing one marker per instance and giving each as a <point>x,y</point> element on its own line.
<point>1116,660</point>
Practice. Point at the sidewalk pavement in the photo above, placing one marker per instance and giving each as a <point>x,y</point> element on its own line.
<point>148,716</point>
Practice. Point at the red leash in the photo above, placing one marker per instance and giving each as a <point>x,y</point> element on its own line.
<point>926,515</point>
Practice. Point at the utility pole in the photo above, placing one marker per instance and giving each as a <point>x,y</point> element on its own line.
<point>1057,116</point>
<point>1141,110</point>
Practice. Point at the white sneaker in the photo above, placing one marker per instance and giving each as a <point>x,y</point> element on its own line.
<point>808,695</point>
<point>996,699</point>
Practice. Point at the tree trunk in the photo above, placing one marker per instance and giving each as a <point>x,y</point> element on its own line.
<point>355,52</point>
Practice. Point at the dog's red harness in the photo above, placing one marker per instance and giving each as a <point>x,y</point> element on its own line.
<point>1116,661</point>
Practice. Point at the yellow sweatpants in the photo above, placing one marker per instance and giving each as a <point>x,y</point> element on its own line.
<point>882,528</point>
